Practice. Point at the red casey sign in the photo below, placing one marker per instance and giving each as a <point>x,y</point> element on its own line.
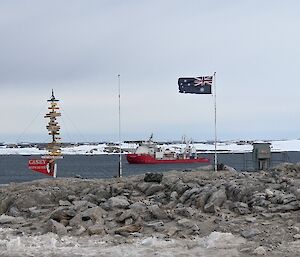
<point>45,166</point>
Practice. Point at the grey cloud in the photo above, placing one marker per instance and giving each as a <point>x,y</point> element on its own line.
<point>79,47</point>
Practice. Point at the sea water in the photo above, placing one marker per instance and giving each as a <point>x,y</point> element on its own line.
<point>13,168</point>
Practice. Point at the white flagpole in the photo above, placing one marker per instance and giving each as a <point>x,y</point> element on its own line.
<point>215,107</point>
<point>120,150</point>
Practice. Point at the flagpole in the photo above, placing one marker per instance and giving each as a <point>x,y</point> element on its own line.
<point>215,108</point>
<point>120,150</point>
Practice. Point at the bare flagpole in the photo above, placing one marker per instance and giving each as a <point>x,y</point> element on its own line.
<point>215,107</point>
<point>120,150</point>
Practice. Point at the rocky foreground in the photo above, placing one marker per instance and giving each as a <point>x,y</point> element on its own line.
<point>259,210</point>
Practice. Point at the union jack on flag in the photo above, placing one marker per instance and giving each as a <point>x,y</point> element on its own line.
<point>202,81</point>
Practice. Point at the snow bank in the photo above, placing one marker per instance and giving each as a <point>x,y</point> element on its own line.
<point>217,244</point>
<point>222,147</point>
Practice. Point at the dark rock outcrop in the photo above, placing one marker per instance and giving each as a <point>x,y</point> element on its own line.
<point>153,177</point>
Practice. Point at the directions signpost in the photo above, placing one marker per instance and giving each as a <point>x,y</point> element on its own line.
<point>46,164</point>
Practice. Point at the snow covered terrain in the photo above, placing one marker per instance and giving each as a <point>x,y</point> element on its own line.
<point>216,244</point>
<point>103,148</point>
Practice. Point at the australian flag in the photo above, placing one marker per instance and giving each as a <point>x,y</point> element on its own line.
<point>197,85</point>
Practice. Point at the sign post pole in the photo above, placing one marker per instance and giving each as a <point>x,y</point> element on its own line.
<point>46,164</point>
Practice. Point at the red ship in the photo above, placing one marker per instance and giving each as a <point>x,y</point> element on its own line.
<point>150,153</point>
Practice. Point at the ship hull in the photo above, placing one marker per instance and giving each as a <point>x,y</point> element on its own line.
<point>148,159</point>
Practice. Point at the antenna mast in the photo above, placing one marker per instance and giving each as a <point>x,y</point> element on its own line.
<point>120,150</point>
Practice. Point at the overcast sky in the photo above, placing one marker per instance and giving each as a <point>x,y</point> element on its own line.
<point>79,47</point>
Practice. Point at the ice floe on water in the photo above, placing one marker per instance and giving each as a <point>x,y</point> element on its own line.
<point>216,244</point>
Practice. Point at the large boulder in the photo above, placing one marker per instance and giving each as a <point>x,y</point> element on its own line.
<point>5,219</point>
<point>34,198</point>
<point>96,229</point>
<point>102,193</point>
<point>248,233</point>
<point>95,214</point>
<point>143,186</point>
<point>117,202</point>
<point>153,189</point>
<point>36,212</point>
<point>180,187</point>
<point>138,207</point>
<point>203,196</point>
<point>187,223</point>
<point>5,203</point>
<point>241,208</point>
<point>240,192</point>
<point>215,200</point>
<point>81,205</point>
<point>128,214</point>
<point>153,177</point>
<point>88,217</point>
<point>292,206</point>
<point>62,213</point>
<point>13,211</point>
<point>157,212</point>
<point>188,193</point>
<point>128,229</point>
<point>55,227</point>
